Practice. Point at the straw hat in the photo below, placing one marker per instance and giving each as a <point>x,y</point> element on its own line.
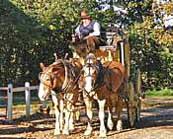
<point>84,14</point>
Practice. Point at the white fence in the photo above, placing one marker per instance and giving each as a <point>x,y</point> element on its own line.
<point>10,90</point>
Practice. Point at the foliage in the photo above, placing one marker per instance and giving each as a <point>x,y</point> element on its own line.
<point>152,51</point>
<point>32,30</point>
<point>25,43</point>
<point>163,92</point>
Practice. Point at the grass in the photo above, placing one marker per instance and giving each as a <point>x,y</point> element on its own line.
<point>160,93</point>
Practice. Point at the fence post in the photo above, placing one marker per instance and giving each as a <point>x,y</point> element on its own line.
<point>27,98</point>
<point>10,101</point>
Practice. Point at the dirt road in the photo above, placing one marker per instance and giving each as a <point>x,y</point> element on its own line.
<point>156,123</point>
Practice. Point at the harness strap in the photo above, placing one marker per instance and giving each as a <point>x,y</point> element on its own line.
<point>88,94</point>
<point>70,83</point>
<point>100,77</point>
<point>66,75</point>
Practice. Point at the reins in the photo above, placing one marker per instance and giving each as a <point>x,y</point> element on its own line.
<point>97,84</point>
<point>68,84</point>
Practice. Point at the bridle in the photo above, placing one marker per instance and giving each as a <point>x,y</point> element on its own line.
<point>50,86</point>
<point>90,65</point>
<point>52,76</point>
<point>94,76</point>
<point>68,83</point>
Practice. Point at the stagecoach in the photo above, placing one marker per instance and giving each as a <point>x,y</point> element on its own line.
<point>118,43</point>
<point>66,79</point>
<point>118,49</point>
<point>118,46</point>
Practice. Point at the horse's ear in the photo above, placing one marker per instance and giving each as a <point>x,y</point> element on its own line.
<point>55,70</point>
<point>42,66</point>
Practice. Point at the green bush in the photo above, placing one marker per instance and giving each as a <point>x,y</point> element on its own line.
<point>162,92</point>
<point>32,30</point>
<point>26,41</point>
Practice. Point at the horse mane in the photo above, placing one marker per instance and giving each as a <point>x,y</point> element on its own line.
<point>103,72</point>
<point>61,63</point>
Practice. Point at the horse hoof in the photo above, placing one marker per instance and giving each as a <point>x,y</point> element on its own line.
<point>57,132</point>
<point>102,135</point>
<point>87,132</point>
<point>71,128</point>
<point>119,129</point>
<point>110,125</point>
<point>119,126</point>
<point>65,132</point>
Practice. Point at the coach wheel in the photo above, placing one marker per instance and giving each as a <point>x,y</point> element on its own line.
<point>131,109</point>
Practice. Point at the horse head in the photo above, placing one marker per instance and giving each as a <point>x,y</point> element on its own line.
<point>89,73</point>
<point>51,77</point>
<point>58,76</point>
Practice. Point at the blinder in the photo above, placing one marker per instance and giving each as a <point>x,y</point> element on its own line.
<point>50,78</point>
<point>90,66</point>
<point>93,75</point>
<point>97,75</point>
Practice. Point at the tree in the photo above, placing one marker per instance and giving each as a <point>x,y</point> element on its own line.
<point>152,46</point>
<point>32,30</point>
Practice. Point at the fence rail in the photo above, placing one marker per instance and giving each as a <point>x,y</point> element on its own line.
<point>10,90</point>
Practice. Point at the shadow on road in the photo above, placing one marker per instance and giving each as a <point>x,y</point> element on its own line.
<point>159,116</point>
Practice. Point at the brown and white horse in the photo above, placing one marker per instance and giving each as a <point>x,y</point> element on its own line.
<point>60,81</point>
<point>102,82</point>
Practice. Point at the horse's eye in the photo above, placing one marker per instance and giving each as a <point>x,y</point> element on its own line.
<point>47,79</point>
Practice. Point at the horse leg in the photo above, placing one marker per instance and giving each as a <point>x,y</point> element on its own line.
<point>102,117</point>
<point>57,115</point>
<point>110,123</point>
<point>61,107</point>
<point>67,118</point>
<point>77,115</point>
<point>68,114</point>
<point>89,112</point>
<point>119,119</point>
<point>71,120</point>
